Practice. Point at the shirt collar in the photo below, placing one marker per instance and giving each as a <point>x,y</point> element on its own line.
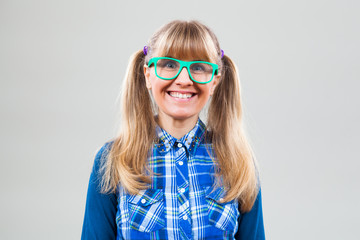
<point>191,140</point>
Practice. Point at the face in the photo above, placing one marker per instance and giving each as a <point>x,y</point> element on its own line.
<point>179,98</point>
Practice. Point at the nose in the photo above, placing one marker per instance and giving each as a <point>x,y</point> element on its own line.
<point>184,78</point>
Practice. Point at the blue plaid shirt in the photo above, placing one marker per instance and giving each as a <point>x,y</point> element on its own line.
<point>181,202</point>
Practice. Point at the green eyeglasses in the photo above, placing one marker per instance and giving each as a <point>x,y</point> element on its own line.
<point>169,68</point>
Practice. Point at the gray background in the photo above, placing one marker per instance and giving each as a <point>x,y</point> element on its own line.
<point>61,68</point>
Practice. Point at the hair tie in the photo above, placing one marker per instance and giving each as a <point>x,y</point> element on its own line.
<point>145,50</point>
<point>222,53</point>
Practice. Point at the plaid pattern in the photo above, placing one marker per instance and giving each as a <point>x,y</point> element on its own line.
<point>181,202</point>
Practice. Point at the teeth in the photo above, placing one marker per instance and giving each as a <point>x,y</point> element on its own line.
<point>180,95</point>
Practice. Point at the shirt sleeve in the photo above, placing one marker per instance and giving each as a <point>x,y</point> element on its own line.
<point>251,225</point>
<point>100,210</point>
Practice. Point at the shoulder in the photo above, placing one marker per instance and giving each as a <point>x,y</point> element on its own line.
<point>101,155</point>
<point>103,151</point>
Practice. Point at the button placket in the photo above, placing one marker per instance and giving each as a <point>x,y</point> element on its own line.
<point>182,181</point>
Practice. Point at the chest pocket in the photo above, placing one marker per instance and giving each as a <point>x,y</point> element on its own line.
<point>222,215</point>
<point>146,210</point>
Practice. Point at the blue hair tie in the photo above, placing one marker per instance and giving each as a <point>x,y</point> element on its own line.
<point>222,53</point>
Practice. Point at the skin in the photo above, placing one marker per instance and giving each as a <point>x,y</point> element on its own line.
<point>178,116</point>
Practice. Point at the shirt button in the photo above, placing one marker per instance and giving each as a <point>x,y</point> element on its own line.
<point>143,201</point>
<point>182,190</point>
<point>185,217</point>
<point>181,163</point>
<point>179,145</point>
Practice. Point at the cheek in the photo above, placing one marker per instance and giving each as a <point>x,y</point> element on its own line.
<point>158,90</point>
<point>207,90</point>
<point>157,86</point>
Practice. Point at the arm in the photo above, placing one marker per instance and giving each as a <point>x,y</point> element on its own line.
<point>251,225</point>
<point>100,210</point>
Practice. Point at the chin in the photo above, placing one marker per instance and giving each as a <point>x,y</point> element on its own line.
<point>182,116</point>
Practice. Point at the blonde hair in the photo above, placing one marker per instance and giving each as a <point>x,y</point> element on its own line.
<point>127,160</point>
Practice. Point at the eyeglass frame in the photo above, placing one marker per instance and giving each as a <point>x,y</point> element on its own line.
<point>182,65</point>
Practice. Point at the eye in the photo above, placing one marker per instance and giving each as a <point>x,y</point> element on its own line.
<point>201,68</point>
<point>197,67</point>
<point>168,64</point>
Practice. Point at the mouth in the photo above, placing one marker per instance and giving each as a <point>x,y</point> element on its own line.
<point>181,95</point>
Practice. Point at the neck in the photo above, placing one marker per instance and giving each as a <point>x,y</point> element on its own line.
<point>176,127</point>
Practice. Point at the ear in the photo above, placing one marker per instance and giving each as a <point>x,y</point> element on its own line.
<point>147,76</point>
<point>215,82</point>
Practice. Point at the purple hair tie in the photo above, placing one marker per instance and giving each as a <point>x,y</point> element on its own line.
<point>145,50</point>
<point>222,53</point>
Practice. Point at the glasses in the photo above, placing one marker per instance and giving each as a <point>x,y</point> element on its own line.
<point>169,68</point>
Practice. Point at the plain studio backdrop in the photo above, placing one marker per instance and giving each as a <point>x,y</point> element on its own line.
<point>62,64</point>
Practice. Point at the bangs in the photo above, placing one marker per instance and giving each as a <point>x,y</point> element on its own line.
<point>186,41</point>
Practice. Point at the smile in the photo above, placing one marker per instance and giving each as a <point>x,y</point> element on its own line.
<point>181,95</point>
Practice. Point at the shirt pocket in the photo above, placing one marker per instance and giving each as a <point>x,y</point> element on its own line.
<point>222,215</point>
<point>146,210</point>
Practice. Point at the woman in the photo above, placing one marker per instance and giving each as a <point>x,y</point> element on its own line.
<point>167,175</point>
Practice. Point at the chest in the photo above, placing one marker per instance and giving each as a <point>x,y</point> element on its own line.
<point>181,203</point>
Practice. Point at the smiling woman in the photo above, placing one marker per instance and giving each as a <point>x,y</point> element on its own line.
<point>167,175</point>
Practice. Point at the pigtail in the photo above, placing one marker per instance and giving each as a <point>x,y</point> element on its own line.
<point>233,152</point>
<point>126,163</point>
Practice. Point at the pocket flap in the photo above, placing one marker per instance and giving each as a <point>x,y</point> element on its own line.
<point>222,215</point>
<point>147,197</point>
<point>217,194</point>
